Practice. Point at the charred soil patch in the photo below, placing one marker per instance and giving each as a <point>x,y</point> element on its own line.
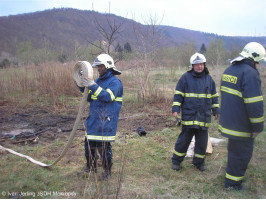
<point>43,125</point>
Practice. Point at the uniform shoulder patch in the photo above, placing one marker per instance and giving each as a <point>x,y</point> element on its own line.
<point>229,78</point>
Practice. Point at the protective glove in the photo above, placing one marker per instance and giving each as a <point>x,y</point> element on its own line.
<point>87,82</point>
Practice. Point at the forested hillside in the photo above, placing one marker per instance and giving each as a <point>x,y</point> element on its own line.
<point>62,28</point>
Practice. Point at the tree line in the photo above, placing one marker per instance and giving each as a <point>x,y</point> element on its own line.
<point>216,53</point>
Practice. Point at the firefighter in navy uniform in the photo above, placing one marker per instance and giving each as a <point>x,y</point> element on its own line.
<point>196,97</point>
<point>241,111</point>
<point>105,97</point>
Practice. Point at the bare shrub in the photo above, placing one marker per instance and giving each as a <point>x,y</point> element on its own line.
<point>52,81</point>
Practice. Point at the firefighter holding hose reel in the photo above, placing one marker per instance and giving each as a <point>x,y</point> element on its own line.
<point>105,97</point>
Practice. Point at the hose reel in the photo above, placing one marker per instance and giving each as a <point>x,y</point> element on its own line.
<point>82,71</point>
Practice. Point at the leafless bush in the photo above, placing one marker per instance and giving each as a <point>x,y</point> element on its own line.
<point>49,80</point>
<point>147,42</point>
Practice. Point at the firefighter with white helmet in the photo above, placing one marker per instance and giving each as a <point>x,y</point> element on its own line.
<point>196,97</point>
<point>197,58</point>
<point>107,61</point>
<point>253,51</point>
<point>242,116</point>
<point>105,97</point>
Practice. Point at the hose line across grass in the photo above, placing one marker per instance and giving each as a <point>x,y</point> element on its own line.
<point>82,71</point>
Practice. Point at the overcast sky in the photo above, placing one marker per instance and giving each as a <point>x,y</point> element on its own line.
<point>223,17</point>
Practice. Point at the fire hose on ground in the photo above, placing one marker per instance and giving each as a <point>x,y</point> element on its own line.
<point>81,73</point>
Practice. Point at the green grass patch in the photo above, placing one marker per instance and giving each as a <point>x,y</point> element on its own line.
<point>147,171</point>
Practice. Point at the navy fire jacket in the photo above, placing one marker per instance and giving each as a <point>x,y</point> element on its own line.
<point>196,95</point>
<point>241,101</point>
<point>105,103</point>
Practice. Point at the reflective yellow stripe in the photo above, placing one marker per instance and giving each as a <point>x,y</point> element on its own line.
<point>111,94</point>
<point>231,91</point>
<point>179,154</point>
<point>178,92</point>
<point>98,91</point>
<point>238,93</point>
<point>199,156</point>
<point>93,97</point>
<point>253,99</point>
<point>234,178</point>
<point>215,106</point>
<point>234,133</point>
<point>215,95</point>
<point>257,120</point>
<point>187,123</point>
<point>102,138</point>
<point>83,92</point>
<point>197,95</point>
<point>119,99</point>
<point>176,103</point>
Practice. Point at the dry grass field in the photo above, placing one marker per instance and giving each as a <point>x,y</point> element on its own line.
<point>44,98</point>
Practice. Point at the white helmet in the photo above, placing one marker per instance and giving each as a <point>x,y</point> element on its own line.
<point>197,58</point>
<point>107,61</point>
<point>254,51</point>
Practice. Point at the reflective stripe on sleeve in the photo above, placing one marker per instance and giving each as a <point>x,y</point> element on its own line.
<point>215,95</point>
<point>257,120</point>
<point>119,99</point>
<point>176,103</point>
<point>178,92</point>
<point>215,106</point>
<point>93,97</point>
<point>98,91</point>
<point>253,99</point>
<point>83,92</point>
<point>111,94</point>
<point>233,133</point>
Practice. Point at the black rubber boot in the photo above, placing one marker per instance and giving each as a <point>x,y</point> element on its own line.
<point>235,187</point>
<point>175,167</point>
<point>107,171</point>
<point>83,171</point>
<point>87,170</point>
<point>90,167</point>
<point>201,167</point>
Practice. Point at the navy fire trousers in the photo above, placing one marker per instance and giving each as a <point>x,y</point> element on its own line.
<point>104,149</point>
<point>182,144</point>
<point>239,155</point>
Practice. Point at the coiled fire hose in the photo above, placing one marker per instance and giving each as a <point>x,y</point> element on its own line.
<point>81,74</point>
